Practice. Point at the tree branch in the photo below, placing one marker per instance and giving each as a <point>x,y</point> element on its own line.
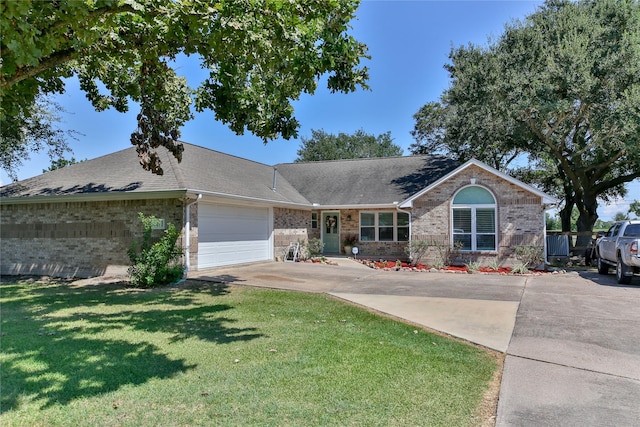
<point>615,181</point>
<point>56,59</point>
<point>603,166</point>
<point>60,57</point>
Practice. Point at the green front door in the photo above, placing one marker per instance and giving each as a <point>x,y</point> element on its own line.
<point>331,232</point>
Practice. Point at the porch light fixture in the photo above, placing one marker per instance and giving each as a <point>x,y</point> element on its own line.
<point>349,217</point>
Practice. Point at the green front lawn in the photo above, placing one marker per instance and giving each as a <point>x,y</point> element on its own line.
<point>213,354</point>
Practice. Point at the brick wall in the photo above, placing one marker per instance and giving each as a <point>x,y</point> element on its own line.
<point>76,239</point>
<point>519,213</point>
<point>290,226</point>
<point>520,216</point>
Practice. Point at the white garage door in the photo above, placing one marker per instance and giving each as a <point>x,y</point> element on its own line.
<point>229,234</point>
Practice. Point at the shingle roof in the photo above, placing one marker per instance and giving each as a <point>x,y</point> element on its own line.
<point>201,169</point>
<point>343,182</point>
<point>365,181</point>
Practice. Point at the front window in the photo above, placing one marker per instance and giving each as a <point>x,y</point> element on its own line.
<point>384,226</point>
<point>474,219</point>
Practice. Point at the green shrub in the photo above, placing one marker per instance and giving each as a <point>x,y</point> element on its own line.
<point>416,249</point>
<point>529,255</point>
<point>473,266</point>
<point>519,269</point>
<point>446,252</point>
<point>314,247</point>
<point>155,264</point>
<point>494,264</point>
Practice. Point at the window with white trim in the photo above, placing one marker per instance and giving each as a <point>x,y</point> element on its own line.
<point>473,213</point>
<point>384,226</point>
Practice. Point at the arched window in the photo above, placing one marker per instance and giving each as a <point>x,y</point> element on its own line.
<point>473,211</point>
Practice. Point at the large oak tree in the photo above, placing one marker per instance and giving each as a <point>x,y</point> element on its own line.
<point>559,90</point>
<point>260,55</point>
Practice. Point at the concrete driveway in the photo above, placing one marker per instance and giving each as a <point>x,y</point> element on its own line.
<point>572,341</point>
<point>574,357</point>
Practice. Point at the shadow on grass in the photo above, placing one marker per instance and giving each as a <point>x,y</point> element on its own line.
<point>60,342</point>
<point>50,375</point>
<point>200,322</point>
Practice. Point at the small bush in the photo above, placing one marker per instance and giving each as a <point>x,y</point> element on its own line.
<point>494,264</point>
<point>314,247</point>
<point>530,256</point>
<point>473,266</point>
<point>519,269</point>
<point>446,252</point>
<point>416,249</point>
<point>155,264</point>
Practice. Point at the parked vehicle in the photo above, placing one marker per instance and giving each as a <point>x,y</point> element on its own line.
<point>619,248</point>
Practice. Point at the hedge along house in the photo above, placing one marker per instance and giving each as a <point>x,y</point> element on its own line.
<point>81,220</point>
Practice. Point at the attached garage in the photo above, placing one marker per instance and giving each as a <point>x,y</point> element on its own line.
<point>233,234</point>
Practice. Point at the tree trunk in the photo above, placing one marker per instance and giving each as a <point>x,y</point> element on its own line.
<point>587,207</point>
<point>565,217</point>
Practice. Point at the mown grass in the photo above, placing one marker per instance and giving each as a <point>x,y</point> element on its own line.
<point>212,354</point>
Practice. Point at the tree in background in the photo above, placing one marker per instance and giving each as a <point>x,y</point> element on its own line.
<point>559,91</point>
<point>260,57</point>
<point>620,216</point>
<point>634,208</point>
<point>36,131</point>
<point>326,146</point>
<point>552,222</point>
<point>60,163</point>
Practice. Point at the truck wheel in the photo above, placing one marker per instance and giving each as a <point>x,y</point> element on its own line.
<point>603,267</point>
<point>621,270</point>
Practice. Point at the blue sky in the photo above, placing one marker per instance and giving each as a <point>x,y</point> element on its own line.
<point>409,42</point>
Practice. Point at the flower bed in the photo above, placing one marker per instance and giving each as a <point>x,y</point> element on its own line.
<point>395,265</point>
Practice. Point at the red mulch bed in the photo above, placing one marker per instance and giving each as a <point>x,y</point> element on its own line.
<point>391,265</point>
<point>500,270</point>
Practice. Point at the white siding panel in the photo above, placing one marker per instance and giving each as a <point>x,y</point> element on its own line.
<point>229,234</point>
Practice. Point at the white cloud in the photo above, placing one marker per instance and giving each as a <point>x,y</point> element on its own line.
<point>607,212</point>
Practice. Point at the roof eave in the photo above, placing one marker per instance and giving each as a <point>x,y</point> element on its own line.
<point>94,197</point>
<point>254,200</point>
<point>355,206</point>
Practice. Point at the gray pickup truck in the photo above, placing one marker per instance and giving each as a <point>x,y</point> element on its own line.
<point>619,248</point>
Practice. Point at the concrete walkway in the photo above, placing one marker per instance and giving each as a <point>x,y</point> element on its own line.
<point>572,341</point>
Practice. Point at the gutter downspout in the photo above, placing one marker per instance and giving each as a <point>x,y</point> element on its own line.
<point>187,235</point>
<point>544,236</point>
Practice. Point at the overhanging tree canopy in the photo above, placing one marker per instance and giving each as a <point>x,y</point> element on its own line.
<point>261,55</point>
<point>562,89</point>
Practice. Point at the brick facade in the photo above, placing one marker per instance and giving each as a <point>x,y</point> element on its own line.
<point>92,238</point>
<point>520,216</point>
<point>76,239</point>
<point>290,226</point>
<point>519,221</point>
